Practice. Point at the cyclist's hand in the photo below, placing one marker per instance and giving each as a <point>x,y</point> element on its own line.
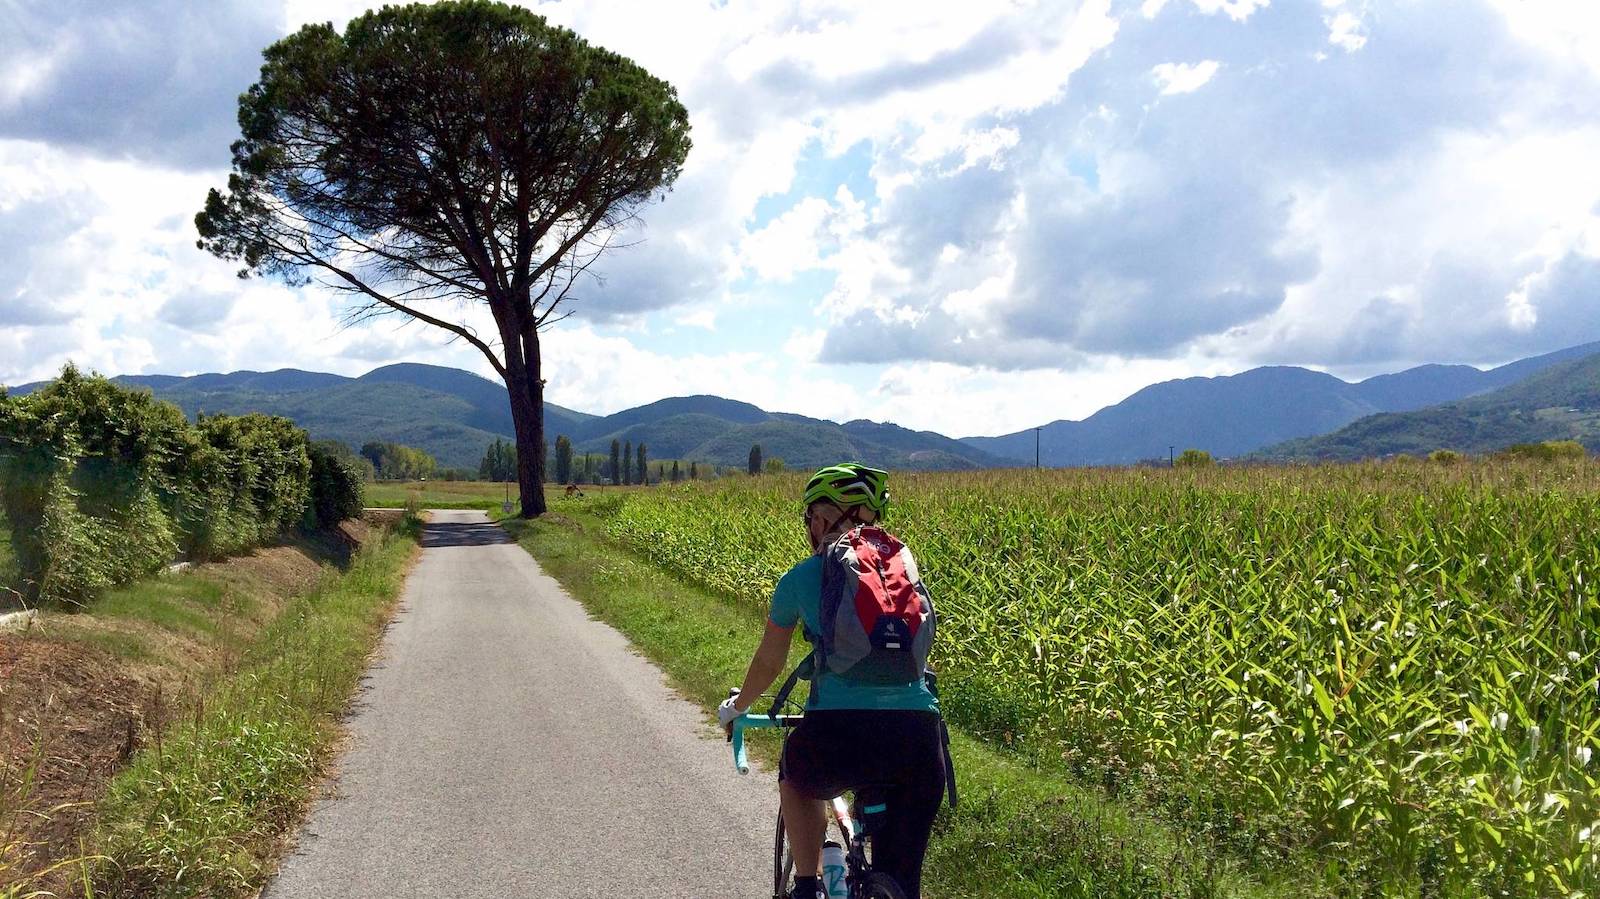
<point>727,712</point>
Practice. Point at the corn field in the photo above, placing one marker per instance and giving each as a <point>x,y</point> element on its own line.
<point>1388,669</point>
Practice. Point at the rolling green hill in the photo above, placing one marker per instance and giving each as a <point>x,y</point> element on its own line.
<point>451,414</point>
<point>800,442</point>
<point>1240,414</point>
<point>357,412</point>
<point>454,415</point>
<point>673,437</point>
<point>1561,402</point>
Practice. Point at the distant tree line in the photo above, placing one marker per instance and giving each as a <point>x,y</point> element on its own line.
<point>499,462</point>
<point>341,451</point>
<point>392,461</point>
<point>625,464</point>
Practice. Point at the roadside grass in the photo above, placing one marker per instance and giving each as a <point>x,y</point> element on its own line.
<point>1019,832</point>
<point>201,812</point>
<point>186,606</point>
<point>8,567</point>
<point>185,623</point>
<point>223,684</point>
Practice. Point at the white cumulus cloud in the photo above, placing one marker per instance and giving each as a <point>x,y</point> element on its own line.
<point>1184,78</point>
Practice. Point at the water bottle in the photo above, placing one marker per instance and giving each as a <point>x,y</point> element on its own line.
<point>833,871</point>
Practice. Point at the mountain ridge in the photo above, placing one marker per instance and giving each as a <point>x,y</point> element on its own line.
<point>1560,402</point>
<point>1219,414</point>
<point>455,414</point>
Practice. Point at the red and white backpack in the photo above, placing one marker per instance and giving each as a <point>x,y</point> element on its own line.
<point>877,618</point>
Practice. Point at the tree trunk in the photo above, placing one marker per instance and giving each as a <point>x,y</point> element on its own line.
<point>527,415</point>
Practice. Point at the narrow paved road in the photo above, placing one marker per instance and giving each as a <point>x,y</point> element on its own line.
<point>506,745</point>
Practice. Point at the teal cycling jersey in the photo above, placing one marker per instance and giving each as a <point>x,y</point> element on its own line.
<point>798,599</point>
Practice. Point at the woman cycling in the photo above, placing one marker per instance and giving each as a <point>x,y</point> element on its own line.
<point>854,734</point>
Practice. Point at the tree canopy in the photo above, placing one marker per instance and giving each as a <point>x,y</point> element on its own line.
<point>499,462</point>
<point>437,157</point>
<point>392,460</point>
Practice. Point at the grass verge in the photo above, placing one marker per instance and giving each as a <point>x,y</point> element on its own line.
<point>201,810</point>
<point>484,495</point>
<point>8,565</point>
<point>1020,832</point>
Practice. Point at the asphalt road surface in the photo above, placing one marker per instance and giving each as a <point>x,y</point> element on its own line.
<point>506,745</point>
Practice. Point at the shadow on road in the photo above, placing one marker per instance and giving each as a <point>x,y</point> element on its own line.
<point>477,533</point>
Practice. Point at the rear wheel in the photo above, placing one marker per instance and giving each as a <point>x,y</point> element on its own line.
<point>782,863</point>
<point>879,885</point>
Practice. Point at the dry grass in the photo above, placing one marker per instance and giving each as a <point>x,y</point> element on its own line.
<point>81,693</point>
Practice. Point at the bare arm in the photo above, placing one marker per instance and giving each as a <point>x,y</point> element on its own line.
<point>767,664</point>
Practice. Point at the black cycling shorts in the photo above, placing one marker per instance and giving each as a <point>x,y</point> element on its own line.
<point>901,752</point>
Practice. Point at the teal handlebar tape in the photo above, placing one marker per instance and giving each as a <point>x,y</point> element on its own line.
<point>741,761</point>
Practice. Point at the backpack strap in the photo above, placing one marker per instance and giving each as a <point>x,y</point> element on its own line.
<point>932,680</point>
<point>805,670</point>
<point>949,764</point>
<point>833,575</point>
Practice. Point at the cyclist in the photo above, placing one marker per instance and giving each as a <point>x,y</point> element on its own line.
<point>852,734</point>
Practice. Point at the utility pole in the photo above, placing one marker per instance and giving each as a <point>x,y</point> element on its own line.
<point>1036,446</point>
<point>1172,460</point>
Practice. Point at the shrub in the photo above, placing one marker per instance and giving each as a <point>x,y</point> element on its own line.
<point>268,479</point>
<point>103,484</point>
<point>1444,457</point>
<point>1193,458</point>
<point>83,476</point>
<point>335,487</point>
<point>1548,451</point>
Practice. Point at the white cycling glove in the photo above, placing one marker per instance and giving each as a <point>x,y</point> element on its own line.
<point>726,712</point>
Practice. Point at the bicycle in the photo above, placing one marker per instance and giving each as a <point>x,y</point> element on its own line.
<point>861,881</point>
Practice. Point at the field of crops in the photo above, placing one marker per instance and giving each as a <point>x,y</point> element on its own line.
<point>1392,667</point>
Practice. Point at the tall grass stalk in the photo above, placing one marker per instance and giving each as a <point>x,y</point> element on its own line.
<point>22,874</point>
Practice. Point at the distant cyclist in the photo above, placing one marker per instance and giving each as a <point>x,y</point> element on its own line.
<point>876,723</point>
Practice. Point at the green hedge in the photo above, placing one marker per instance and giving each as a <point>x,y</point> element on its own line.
<point>104,484</point>
<point>335,485</point>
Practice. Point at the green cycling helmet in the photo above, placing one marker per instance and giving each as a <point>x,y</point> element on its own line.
<point>850,484</point>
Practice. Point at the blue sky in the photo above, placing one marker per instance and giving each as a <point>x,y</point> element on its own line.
<point>967,217</point>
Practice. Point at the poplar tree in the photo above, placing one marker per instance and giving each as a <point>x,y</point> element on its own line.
<point>563,459</point>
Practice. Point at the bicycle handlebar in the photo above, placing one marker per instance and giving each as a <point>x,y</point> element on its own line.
<point>741,762</point>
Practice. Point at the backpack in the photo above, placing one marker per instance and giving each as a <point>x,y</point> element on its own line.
<point>877,618</point>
